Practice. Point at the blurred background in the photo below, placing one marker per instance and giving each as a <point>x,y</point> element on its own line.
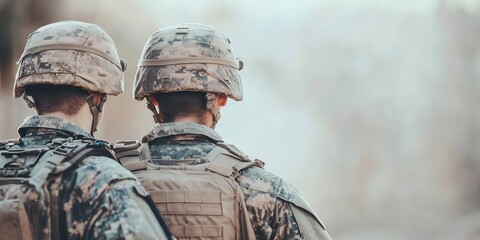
<point>370,108</point>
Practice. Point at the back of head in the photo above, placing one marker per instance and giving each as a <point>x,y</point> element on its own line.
<point>50,98</point>
<point>175,105</point>
<point>71,53</point>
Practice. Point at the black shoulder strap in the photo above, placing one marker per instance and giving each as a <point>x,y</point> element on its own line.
<point>65,156</point>
<point>92,148</point>
<point>17,161</point>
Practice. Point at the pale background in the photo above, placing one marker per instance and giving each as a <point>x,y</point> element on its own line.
<point>370,108</point>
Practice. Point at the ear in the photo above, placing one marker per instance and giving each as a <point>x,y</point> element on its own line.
<point>221,100</point>
<point>153,100</point>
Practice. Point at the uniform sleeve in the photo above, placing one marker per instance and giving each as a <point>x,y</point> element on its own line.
<point>309,227</point>
<point>125,215</point>
<point>104,203</point>
<point>276,209</point>
<point>295,213</point>
<point>292,222</point>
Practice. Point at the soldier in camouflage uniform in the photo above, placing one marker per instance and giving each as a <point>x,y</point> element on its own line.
<point>186,73</point>
<point>76,63</point>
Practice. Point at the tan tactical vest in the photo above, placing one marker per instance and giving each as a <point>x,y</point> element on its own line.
<point>198,201</point>
<point>28,209</point>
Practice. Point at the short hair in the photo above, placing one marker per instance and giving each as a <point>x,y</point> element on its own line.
<point>49,98</point>
<point>182,104</point>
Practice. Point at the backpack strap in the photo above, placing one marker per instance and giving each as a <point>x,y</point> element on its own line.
<point>18,162</point>
<point>132,154</point>
<point>85,149</point>
<point>65,156</point>
<point>35,166</point>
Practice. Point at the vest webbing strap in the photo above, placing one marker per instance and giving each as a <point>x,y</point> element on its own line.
<point>227,164</point>
<point>192,231</point>
<point>53,161</point>
<point>212,157</point>
<point>132,155</point>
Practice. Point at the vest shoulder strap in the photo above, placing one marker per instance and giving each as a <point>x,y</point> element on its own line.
<point>65,156</point>
<point>224,159</point>
<point>132,154</point>
<point>227,160</point>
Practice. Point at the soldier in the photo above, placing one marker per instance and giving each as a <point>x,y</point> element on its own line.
<point>204,187</point>
<point>56,181</point>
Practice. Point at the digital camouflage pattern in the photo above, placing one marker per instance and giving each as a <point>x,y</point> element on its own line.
<point>188,57</point>
<point>181,129</point>
<point>163,134</point>
<point>269,199</point>
<point>71,53</point>
<point>36,128</point>
<point>98,197</point>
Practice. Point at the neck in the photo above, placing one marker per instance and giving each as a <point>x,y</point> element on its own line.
<point>207,121</point>
<point>83,118</point>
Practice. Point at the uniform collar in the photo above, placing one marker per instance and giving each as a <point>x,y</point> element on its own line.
<point>181,128</point>
<point>47,122</point>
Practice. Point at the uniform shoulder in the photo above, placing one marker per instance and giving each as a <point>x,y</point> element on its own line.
<point>94,176</point>
<point>107,169</point>
<point>262,180</point>
<point>259,179</point>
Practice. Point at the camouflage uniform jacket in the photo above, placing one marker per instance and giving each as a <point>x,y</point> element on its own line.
<point>270,200</point>
<point>100,199</point>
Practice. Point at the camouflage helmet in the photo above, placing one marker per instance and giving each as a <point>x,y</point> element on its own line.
<point>188,57</point>
<point>71,53</point>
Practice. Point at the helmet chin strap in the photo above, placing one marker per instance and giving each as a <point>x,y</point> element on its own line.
<point>30,103</point>
<point>157,117</point>
<point>210,99</point>
<point>95,110</point>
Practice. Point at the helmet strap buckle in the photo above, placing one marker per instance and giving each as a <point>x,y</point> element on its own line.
<point>30,103</point>
<point>95,109</point>
<point>210,106</point>
<point>157,117</point>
